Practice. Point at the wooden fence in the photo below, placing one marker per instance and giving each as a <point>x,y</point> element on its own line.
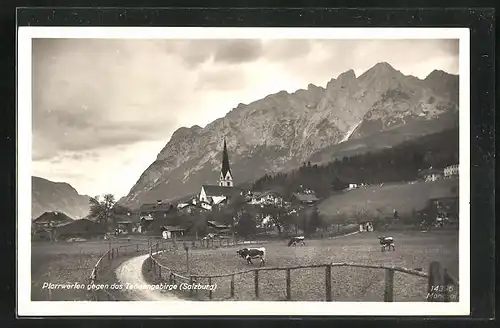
<point>105,263</point>
<point>439,281</point>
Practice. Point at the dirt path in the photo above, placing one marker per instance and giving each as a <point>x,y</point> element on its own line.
<point>130,272</point>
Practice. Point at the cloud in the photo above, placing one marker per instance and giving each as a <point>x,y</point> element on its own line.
<point>221,79</point>
<point>101,101</point>
<point>238,51</point>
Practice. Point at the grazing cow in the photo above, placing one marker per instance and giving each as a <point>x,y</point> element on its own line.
<point>387,242</point>
<point>296,240</point>
<point>253,253</point>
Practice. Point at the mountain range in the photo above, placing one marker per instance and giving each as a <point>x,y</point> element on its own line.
<point>380,108</point>
<point>50,196</point>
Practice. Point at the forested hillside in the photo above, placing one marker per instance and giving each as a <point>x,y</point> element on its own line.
<point>403,162</point>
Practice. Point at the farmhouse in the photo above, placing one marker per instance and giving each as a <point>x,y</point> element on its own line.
<point>219,228</point>
<point>51,219</point>
<point>82,228</point>
<point>305,199</point>
<point>151,212</point>
<point>156,210</point>
<point>451,171</point>
<point>172,232</point>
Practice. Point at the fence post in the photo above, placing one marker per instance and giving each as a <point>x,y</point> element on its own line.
<point>256,283</point>
<point>156,247</point>
<point>389,285</point>
<point>288,286</point>
<point>328,283</point>
<point>191,283</point>
<point>159,271</point>
<point>436,283</point>
<point>232,286</point>
<point>137,249</point>
<point>171,279</point>
<point>210,289</point>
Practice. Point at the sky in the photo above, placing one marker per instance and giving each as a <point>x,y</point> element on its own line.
<point>103,109</point>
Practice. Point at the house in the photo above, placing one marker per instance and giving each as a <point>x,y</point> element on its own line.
<point>82,228</point>
<point>451,171</point>
<point>305,199</point>
<point>172,232</point>
<point>219,228</point>
<point>269,197</point>
<point>366,226</point>
<point>156,210</point>
<point>431,175</point>
<point>153,211</point>
<point>146,222</point>
<point>353,185</point>
<point>51,219</point>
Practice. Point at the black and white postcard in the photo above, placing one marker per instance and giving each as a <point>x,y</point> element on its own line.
<point>282,171</point>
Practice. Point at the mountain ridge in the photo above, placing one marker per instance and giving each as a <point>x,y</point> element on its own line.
<point>282,130</point>
<point>50,196</point>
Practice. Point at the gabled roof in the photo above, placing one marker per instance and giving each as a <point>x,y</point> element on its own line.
<point>58,217</point>
<point>154,207</point>
<point>218,225</point>
<point>212,190</point>
<point>172,228</point>
<point>267,193</point>
<point>305,197</point>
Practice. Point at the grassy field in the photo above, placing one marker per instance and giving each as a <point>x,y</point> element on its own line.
<point>400,196</point>
<point>413,250</point>
<point>62,263</point>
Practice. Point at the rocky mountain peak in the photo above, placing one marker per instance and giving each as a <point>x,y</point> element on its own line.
<point>281,130</point>
<point>347,76</point>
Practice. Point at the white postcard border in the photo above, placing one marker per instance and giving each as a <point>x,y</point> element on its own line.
<point>26,307</point>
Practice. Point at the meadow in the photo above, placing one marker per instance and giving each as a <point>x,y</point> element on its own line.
<point>414,250</point>
<point>66,263</point>
<point>404,197</point>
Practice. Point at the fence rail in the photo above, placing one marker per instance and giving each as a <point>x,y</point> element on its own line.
<point>105,262</point>
<point>438,278</point>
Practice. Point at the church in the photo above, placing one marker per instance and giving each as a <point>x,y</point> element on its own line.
<point>224,189</point>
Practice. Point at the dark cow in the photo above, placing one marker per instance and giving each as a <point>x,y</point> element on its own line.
<point>386,242</point>
<point>296,240</point>
<point>253,253</point>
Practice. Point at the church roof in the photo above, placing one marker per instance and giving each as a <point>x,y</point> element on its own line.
<point>212,190</point>
<point>225,161</point>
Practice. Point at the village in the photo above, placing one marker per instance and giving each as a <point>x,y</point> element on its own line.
<point>223,210</point>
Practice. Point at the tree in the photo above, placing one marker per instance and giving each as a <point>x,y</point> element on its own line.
<point>277,216</point>
<point>246,225</point>
<point>102,210</point>
<point>315,221</point>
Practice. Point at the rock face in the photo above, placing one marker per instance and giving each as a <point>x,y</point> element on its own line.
<point>282,130</point>
<point>50,196</point>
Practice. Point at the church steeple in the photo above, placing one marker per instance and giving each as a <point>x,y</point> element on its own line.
<point>226,177</point>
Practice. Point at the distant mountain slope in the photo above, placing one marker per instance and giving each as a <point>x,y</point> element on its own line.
<point>281,131</point>
<point>49,196</point>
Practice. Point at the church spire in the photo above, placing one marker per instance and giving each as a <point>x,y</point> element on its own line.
<point>226,177</point>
